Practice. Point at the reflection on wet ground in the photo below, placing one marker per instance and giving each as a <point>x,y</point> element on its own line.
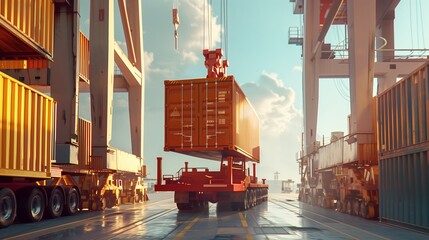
<point>282,217</point>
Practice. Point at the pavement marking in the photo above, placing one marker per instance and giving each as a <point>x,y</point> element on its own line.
<point>182,233</point>
<point>348,225</point>
<point>243,220</point>
<point>245,225</point>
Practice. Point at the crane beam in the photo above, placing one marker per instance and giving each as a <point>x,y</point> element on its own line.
<point>132,75</point>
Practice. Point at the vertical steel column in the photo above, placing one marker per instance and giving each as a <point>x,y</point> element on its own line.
<point>386,40</point>
<point>159,171</point>
<point>136,92</point>
<point>254,173</point>
<point>310,79</point>
<point>65,79</point>
<point>229,171</point>
<point>101,74</point>
<point>361,20</point>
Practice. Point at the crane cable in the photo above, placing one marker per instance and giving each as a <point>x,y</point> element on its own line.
<point>224,24</point>
<point>176,22</point>
<point>207,6</point>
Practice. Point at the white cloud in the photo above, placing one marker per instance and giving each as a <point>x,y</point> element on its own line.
<point>149,65</point>
<point>297,68</point>
<point>123,46</point>
<point>148,60</point>
<point>196,15</point>
<point>190,56</point>
<point>274,104</point>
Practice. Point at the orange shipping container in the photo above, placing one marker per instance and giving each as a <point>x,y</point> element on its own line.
<point>210,118</point>
<point>27,133</point>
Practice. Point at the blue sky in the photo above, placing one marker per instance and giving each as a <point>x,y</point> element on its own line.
<point>267,68</point>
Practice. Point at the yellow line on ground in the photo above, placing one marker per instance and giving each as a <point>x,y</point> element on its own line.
<point>182,233</point>
<point>334,220</point>
<point>243,220</point>
<point>336,230</point>
<point>349,225</point>
<point>245,225</point>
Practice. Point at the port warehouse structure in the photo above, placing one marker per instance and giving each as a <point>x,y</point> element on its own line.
<point>403,143</point>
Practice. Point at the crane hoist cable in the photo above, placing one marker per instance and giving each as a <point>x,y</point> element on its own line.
<point>176,22</point>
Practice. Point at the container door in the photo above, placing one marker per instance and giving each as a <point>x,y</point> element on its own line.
<point>181,115</point>
<point>216,114</point>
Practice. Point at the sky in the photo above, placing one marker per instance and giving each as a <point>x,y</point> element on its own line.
<point>268,69</point>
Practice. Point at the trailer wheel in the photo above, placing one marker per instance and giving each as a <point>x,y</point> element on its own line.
<point>355,205</point>
<point>184,206</point>
<point>72,201</point>
<point>339,206</point>
<point>363,210</point>
<point>110,200</point>
<point>253,198</point>
<point>55,203</point>
<point>349,206</point>
<point>7,207</point>
<point>32,205</point>
<point>371,210</point>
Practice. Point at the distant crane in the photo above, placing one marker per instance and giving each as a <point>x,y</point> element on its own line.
<point>276,176</point>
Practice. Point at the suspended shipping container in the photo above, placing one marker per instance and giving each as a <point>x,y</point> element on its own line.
<point>210,118</point>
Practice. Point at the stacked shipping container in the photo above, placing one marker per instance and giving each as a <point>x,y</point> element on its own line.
<point>27,133</point>
<point>403,125</point>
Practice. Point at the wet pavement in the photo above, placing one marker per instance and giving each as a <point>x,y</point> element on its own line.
<point>282,217</point>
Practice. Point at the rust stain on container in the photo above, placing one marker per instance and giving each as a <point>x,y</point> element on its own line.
<point>210,118</point>
<point>27,136</point>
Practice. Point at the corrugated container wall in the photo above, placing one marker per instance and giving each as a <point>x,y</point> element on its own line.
<point>403,124</point>
<point>85,142</point>
<point>27,26</point>
<point>84,58</point>
<point>210,118</point>
<point>27,133</point>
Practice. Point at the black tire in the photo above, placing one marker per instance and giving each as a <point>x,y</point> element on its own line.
<point>184,206</point>
<point>110,200</point>
<point>32,205</point>
<point>72,202</point>
<point>7,207</point>
<point>102,204</point>
<point>55,203</point>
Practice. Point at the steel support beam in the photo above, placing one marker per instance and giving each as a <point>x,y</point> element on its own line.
<point>310,80</point>
<point>65,79</point>
<point>132,75</point>
<point>136,92</point>
<point>339,68</point>
<point>333,10</point>
<point>101,74</point>
<point>361,19</point>
<point>127,30</point>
